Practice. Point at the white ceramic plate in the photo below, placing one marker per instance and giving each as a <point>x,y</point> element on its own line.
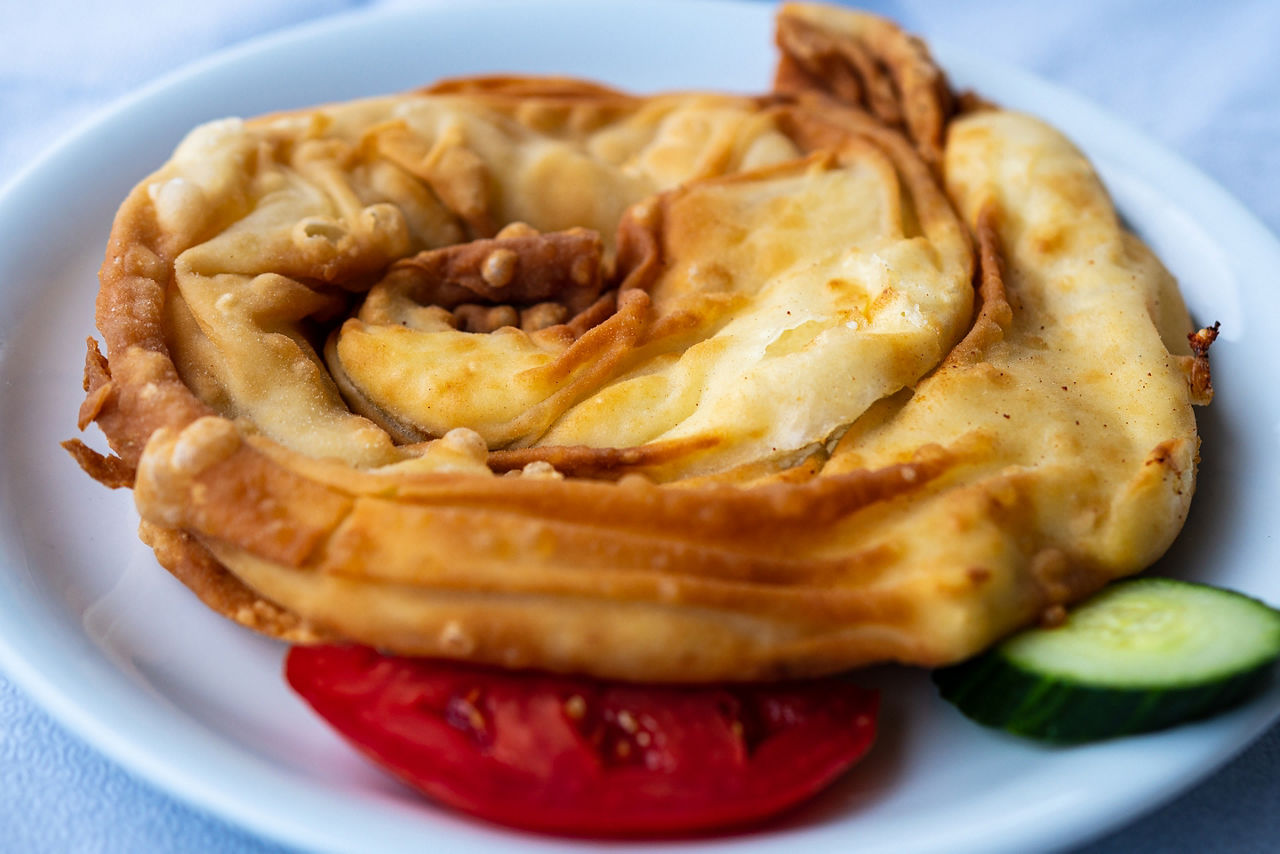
<point>125,657</point>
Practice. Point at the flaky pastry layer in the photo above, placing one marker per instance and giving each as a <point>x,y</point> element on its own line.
<point>682,387</point>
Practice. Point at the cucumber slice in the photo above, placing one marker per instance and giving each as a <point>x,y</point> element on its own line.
<point>1141,655</point>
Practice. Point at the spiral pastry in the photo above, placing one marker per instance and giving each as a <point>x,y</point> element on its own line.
<point>682,387</point>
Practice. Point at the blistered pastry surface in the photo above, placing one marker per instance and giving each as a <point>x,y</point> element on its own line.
<point>685,387</point>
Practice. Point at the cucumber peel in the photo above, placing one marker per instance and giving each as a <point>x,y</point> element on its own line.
<point>1141,655</point>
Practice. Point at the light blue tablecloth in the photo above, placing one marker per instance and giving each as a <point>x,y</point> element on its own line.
<point>1203,78</point>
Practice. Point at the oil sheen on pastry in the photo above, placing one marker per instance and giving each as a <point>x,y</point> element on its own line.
<point>679,387</point>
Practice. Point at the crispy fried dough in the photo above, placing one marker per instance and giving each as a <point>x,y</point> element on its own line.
<point>683,387</point>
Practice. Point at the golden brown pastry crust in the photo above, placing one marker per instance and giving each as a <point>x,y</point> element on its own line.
<point>944,464</point>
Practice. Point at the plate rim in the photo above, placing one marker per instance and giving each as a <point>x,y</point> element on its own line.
<point>143,761</point>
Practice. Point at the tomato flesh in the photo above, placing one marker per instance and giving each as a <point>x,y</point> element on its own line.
<point>586,757</point>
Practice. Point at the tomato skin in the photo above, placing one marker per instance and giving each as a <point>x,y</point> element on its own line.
<point>583,757</point>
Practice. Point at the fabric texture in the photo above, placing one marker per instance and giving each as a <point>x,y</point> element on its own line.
<point>1199,78</point>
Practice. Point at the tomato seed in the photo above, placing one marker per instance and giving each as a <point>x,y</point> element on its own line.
<point>575,707</point>
<point>627,721</point>
<point>462,714</point>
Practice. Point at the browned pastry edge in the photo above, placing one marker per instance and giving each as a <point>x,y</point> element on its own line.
<point>1200,378</point>
<point>882,69</point>
<point>522,270</point>
<point>516,87</point>
<point>191,563</point>
<point>111,472</point>
<point>599,463</point>
<point>993,313</point>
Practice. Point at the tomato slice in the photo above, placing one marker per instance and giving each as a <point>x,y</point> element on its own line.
<point>585,757</point>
